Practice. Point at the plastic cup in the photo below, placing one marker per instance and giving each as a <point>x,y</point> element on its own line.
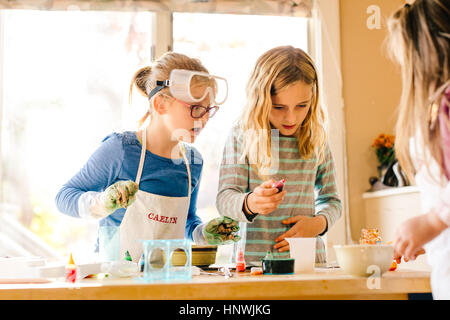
<point>303,250</point>
<point>109,243</point>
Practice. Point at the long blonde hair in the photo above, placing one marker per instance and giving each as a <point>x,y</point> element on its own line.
<point>419,41</point>
<point>145,78</point>
<point>274,70</point>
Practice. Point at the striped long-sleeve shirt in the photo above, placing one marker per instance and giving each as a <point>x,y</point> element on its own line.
<point>311,190</point>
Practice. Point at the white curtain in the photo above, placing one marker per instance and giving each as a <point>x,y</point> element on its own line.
<point>326,25</point>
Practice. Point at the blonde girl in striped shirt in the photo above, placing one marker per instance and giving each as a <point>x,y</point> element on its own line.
<point>280,134</point>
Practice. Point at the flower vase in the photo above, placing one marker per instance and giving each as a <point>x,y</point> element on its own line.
<point>382,169</point>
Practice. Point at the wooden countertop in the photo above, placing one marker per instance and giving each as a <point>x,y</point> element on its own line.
<point>322,284</point>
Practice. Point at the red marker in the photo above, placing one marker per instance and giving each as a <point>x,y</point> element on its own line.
<point>279,185</point>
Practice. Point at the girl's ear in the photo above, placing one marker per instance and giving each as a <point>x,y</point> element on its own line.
<point>160,104</point>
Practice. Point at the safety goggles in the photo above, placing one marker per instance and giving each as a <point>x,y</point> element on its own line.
<point>193,87</point>
<point>198,111</point>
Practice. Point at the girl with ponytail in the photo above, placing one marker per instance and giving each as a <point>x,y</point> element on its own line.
<point>147,181</point>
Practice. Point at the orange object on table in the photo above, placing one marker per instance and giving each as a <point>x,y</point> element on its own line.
<point>254,271</point>
<point>393,266</point>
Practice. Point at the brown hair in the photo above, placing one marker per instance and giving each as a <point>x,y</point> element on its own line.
<point>419,42</point>
<point>274,70</point>
<point>145,78</point>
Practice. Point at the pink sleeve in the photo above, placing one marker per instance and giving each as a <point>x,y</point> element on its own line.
<point>443,208</point>
<point>444,124</point>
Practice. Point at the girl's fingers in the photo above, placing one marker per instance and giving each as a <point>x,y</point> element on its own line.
<point>283,246</point>
<point>280,239</point>
<point>117,196</point>
<point>265,192</point>
<point>397,257</point>
<point>292,220</point>
<point>129,195</point>
<point>412,252</point>
<point>265,211</point>
<point>401,247</point>
<point>268,183</point>
<point>396,243</point>
<point>421,251</point>
<point>278,197</point>
<point>267,208</point>
<point>264,206</point>
<point>271,199</point>
<point>124,196</point>
<point>266,189</point>
<point>291,233</point>
<point>112,198</point>
<point>409,252</point>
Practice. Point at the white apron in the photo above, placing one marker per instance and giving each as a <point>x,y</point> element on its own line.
<point>152,216</point>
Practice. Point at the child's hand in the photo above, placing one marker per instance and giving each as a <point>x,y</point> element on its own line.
<point>398,257</point>
<point>265,199</point>
<point>120,195</point>
<point>304,227</point>
<point>414,233</point>
<point>221,230</point>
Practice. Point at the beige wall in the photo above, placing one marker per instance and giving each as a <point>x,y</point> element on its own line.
<point>371,91</point>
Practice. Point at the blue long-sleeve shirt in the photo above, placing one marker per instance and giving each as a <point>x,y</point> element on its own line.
<point>117,159</point>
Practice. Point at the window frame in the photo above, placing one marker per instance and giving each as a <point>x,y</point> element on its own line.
<point>326,55</point>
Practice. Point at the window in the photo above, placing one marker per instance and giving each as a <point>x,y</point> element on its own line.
<point>66,76</point>
<point>228,47</point>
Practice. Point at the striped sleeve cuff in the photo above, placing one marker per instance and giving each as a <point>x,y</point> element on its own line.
<point>230,204</point>
<point>327,217</point>
<point>332,213</point>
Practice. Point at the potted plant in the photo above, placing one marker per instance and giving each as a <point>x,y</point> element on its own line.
<point>384,149</point>
<point>390,173</point>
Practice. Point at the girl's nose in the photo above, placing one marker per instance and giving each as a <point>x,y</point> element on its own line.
<point>205,118</point>
<point>290,117</point>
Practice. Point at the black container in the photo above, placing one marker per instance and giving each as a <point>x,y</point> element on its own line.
<point>278,266</point>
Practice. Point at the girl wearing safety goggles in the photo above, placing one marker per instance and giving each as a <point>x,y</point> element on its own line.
<point>280,135</point>
<point>147,181</point>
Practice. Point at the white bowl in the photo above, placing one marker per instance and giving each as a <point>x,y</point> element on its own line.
<point>363,259</point>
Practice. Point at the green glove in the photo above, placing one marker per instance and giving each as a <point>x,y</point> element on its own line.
<point>221,230</point>
<point>120,195</point>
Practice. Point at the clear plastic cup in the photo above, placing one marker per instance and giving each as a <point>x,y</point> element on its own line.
<point>303,250</point>
<point>109,243</point>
